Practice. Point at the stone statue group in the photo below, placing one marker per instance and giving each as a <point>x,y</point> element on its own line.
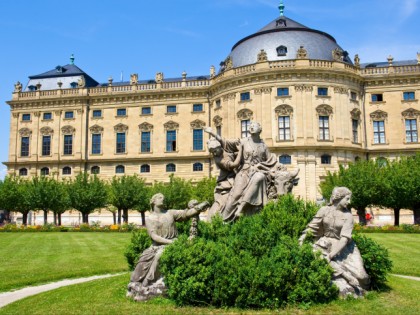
<point>250,176</point>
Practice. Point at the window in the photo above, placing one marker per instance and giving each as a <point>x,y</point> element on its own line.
<point>282,91</point>
<point>32,88</point>
<point>47,116</point>
<point>146,110</point>
<point>67,170</point>
<point>145,168</point>
<point>171,109</point>
<point>281,51</point>
<point>409,96</point>
<point>74,85</point>
<point>355,130</point>
<point>197,167</point>
<point>95,169</point>
<point>244,128</point>
<point>68,144</point>
<point>219,130</point>
<point>69,115</point>
<point>377,98</point>
<point>197,107</point>
<point>23,172</point>
<point>170,140</point>
<point>285,159</point>
<point>145,141</point>
<point>97,113</point>
<point>245,96</point>
<point>120,169</point>
<point>46,145</point>
<point>218,103</point>
<point>96,143</point>
<point>324,130</point>
<point>284,128</point>
<point>379,132</point>
<point>322,91</point>
<point>121,112</point>
<point>45,171</point>
<point>26,117</point>
<point>353,96</point>
<point>198,139</point>
<point>325,159</point>
<point>24,146</point>
<point>120,145</point>
<point>411,131</point>
<point>171,167</point>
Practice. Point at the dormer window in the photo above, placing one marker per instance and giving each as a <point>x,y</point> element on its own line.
<point>74,85</point>
<point>281,23</point>
<point>59,69</point>
<point>281,50</point>
<point>32,88</point>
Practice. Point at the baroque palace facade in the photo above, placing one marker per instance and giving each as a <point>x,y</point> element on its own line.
<point>318,109</point>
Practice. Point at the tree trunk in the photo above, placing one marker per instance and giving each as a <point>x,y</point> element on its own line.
<point>361,212</point>
<point>416,213</point>
<point>55,218</point>
<point>85,218</point>
<point>119,216</point>
<point>143,218</point>
<point>25,218</point>
<point>59,218</point>
<point>125,215</point>
<point>397,217</point>
<point>45,217</point>
<point>114,217</point>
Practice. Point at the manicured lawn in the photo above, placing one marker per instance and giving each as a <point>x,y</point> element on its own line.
<point>35,258</point>
<point>404,250</point>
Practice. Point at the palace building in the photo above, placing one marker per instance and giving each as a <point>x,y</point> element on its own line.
<point>319,108</point>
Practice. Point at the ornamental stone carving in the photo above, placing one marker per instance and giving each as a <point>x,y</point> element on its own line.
<point>120,128</point>
<point>18,87</point>
<point>212,72</point>
<point>37,114</point>
<point>284,110</point>
<point>411,113</point>
<point>80,111</point>
<point>304,88</point>
<point>15,115</point>
<point>230,96</point>
<point>266,90</point>
<point>340,90</point>
<point>357,60</point>
<point>159,77</point>
<point>245,114</point>
<point>338,54</point>
<point>171,125</point>
<point>302,53</point>
<point>217,120</point>
<point>228,63</point>
<point>96,129</point>
<point>25,132</point>
<point>379,115</point>
<point>134,78</point>
<point>46,131</point>
<point>355,113</point>
<point>146,126</point>
<point>197,124</point>
<point>57,112</point>
<point>324,110</point>
<point>67,130</point>
<point>262,56</point>
<point>81,83</point>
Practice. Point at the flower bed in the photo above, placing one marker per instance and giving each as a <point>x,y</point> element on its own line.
<point>77,228</point>
<point>403,228</point>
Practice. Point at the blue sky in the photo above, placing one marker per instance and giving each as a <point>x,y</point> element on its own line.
<point>141,36</point>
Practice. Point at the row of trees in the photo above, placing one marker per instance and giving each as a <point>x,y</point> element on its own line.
<point>388,184</point>
<point>87,193</point>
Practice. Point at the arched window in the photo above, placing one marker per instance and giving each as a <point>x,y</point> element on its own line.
<point>285,159</point>
<point>95,169</point>
<point>119,169</point>
<point>198,167</point>
<point>67,170</point>
<point>145,168</point>
<point>325,159</point>
<point>23,172</point>
<point>45,171</point>
<point>171,167</point>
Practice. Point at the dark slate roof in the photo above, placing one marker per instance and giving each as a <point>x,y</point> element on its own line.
<point>66,71</point>
<point>193,78</point>
<point>386,64</point>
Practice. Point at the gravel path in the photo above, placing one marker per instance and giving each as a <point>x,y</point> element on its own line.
<point>407,277</point>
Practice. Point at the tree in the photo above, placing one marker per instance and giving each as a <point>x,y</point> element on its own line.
<point>15,195</point>
<point>413,184</point>
<point>127,192</point>
<point>177,192</point>
<point>203,190</point>
<point>86,194</point>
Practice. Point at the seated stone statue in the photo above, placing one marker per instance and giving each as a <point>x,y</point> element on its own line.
<point>332,228</point>
<point>146,280</point>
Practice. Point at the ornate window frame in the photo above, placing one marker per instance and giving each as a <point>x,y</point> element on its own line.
<point>96,130</point>
<point>119,129</point>
<point>409,114</point>
<point>284,110</point>
<point>379,115</point>
<point>171,126</point>
<point>25,133</point>
<point>325,110</point>
<point>146,127</point>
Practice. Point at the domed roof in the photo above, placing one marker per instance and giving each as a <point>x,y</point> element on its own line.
<point>281,40</point>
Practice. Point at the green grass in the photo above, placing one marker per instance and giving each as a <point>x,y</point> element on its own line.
<point>404,250</point>
<point>107,296</point>
<point>35,258</point>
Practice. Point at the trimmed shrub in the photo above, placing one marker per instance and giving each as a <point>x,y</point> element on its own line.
<point>140,241</point>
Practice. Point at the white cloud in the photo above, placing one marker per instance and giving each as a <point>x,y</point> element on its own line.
<point>408,8</point>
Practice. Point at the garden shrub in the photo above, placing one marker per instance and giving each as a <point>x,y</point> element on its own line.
<point>140,241</point>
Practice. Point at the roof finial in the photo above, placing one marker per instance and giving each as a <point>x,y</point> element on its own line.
<point>281,8</point>
<point>72,59</point>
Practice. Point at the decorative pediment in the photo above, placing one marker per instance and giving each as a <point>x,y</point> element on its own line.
<point>217,120</point>
<point>198,124</point>
<point>262,56</point>
<point>171,125</point>
<point>304,88</point>
<point>379,115</point>
<point>46,131</point>
<point>324,110</point>
<point>120,128</point>
<point>411,113</point>
<point>284,110</point>
<point>96,129</point>
<point>25,132</point>
<point>355,113</point>
<point>146,126</point>
<point>67,130</point>
<point>302,53</point>
<point>245,114</point>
